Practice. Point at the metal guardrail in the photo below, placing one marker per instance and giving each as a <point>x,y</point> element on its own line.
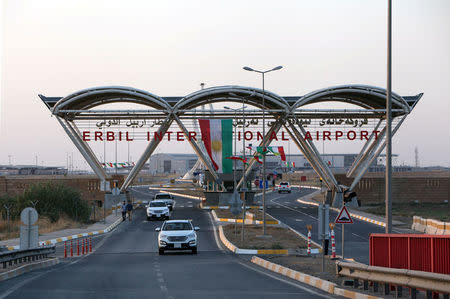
<point>26,255</point>
<point>415,280</point>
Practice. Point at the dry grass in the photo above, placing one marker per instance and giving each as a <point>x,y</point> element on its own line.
<point>225,213</point>
<point>282,238</point>
<point>45,226</point>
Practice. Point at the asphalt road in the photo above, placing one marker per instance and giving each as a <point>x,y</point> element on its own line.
<point>285,208</point>
<point>125,264</point>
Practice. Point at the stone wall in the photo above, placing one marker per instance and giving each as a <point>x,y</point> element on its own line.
<point>88,185</point>
<point>432,186</point>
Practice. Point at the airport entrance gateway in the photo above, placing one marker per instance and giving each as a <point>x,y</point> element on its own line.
<point>287,119</point>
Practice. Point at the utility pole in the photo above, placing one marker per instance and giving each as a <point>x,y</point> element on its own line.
<point>416,154</point>
<point>388,180</point>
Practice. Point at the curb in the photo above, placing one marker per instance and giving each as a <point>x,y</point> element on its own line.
<point>313,281</point>
<point>247,221</point>
<point>184,195</point>
<point>366,219</point>
<point>74,237</point>
<point>237,250</point>
<point>27,268</point>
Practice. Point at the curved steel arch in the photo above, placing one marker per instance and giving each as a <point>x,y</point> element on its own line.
<point>88,98</point>
<point>366,96</point>
<point>250,95</point>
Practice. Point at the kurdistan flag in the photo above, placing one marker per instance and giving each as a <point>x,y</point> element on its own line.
<point>275,150</point>
<point>217,135</point>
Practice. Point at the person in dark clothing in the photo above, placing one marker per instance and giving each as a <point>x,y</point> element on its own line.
<point>129,209</point>
<point>124,211</point>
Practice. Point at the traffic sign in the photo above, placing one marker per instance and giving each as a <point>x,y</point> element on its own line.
<point>235,204</point>
<point>344,217</point>
<point>115,191</point>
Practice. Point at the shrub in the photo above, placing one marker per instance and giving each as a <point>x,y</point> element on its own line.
<point>55,199</point>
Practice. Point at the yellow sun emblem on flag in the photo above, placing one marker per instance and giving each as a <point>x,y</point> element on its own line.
<point>216,145</point>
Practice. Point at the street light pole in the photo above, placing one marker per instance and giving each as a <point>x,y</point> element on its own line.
<point>264,135</point>
<point>389,124</point>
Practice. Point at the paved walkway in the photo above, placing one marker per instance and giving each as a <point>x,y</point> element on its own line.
<point>68,232</point>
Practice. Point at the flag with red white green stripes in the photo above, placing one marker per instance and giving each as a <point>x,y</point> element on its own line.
<point>217,136</point>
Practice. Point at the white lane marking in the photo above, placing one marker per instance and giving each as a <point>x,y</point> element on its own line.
<point>297,285</point>
<point>279,204</point>
<point>360,237</point>
<point>298,220</point>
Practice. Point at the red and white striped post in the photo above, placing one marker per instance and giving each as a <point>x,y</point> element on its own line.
<point>90,244</point>
<point>71,248</point>
<point>65,249</point>
<point>87,246</point>
<point>82,247</point>
<point>78,247</point>
<point>309,227</point>
<point>333,242</point>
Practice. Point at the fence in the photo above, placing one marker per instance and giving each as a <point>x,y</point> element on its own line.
<point>429,253</point>
<point>19,256</point>
<point>414,280</point>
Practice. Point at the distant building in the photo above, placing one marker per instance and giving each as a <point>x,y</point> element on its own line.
<point>170,163</point>
<point>31,170</point>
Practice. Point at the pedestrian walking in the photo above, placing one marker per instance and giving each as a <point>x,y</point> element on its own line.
<point>124,211</point>
<point>129,208</point>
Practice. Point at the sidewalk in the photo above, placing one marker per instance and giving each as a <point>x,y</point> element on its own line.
<point>98,226</point>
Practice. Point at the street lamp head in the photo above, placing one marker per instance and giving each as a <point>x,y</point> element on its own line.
<point>277,68</point>
<point>248,69</point>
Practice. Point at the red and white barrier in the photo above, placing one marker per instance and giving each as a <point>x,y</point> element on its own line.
<point>333,245</point>
<point>309,241</point>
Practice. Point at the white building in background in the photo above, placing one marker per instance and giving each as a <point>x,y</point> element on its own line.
<point>170,163</point>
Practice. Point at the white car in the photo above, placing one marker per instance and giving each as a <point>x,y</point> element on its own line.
<point>177,235</point>
<point>157,209</point>
<point>284,187</point>
<point>167,198</point>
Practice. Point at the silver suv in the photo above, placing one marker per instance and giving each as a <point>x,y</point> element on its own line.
<point>177,235</point>
<point>165,197</point>
<point>157,209</point>
<point>284,187</point>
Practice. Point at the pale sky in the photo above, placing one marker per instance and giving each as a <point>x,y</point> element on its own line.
<point>169,47</point>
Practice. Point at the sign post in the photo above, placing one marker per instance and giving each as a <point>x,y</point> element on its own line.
<point>343,218</point>
<point>324,216</point>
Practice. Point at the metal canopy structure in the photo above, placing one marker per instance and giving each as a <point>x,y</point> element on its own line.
<point>286,112</point>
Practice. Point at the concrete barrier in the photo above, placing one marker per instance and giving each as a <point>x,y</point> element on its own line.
<point>440,227</point>
<point>430,226</point>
